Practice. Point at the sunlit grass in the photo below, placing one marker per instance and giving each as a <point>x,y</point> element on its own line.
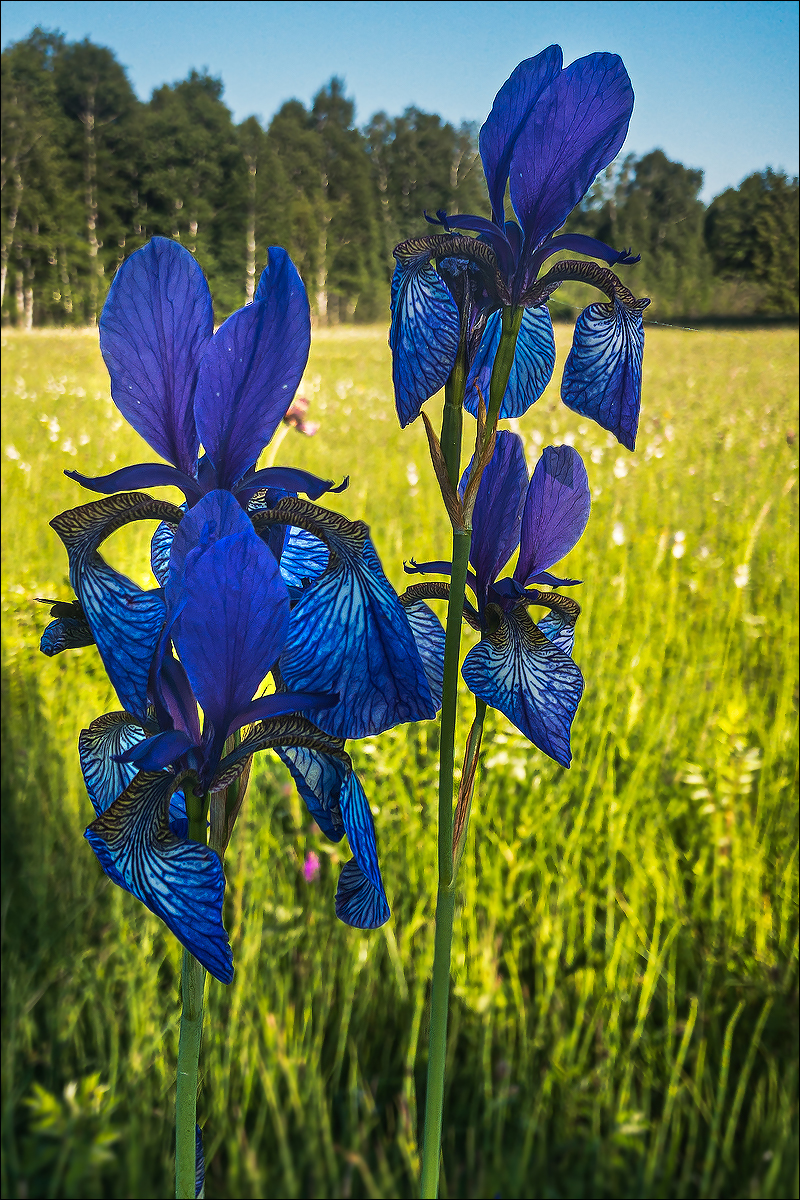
<point>625,966</point>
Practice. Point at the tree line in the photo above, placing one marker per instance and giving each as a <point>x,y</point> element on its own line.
<point>89,173</point>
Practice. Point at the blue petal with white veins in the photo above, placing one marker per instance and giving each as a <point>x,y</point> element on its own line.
<point>360,898</point>
<point>181,881</point>
<point>423,335</point>
<point>534,359</point>
<point>603,374</point>
<point>98,747</point>
<point>348,633</point>
<point>520,672</point>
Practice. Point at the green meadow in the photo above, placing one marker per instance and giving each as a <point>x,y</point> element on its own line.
<point>623,1017</point>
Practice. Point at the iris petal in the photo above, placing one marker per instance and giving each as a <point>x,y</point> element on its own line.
<point>126,621</point>
<point>429,636</point>
<point>66,633</point>
<point>319,779</point>
<point>520,672</point>
<point>181,881</point>
<point>141,475</point>
<point>251,369</point>
<point>349,634</point>
<point>556,511</point>
<point>511,108</point>
<point>303,560</point>
<point>154,329</point>
<point>423,335</point>
<point>575,129</point>
<point>534,359</point>
<point>360,898</point>
<point>603,373</point>
<point>98,749</point>
<point>498,509</point>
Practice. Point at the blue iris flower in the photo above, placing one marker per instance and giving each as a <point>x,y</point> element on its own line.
<point>179,383</point>
<point>227,638</point>
<point>550,132</point>
<point>524,669</point>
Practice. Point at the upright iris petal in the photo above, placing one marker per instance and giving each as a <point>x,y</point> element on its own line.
<point>498,509</point>
<point>575,129</point>
<point>154,328</point>
<point>556,512</point>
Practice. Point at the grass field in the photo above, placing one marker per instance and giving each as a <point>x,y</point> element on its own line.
<point>625,962</point>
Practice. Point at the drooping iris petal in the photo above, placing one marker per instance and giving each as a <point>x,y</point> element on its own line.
<point>234,617</point>
<point>349,634</point>
<point>556,511</point>
<point>558,631</point>
<point>276,705</point>
<point>360,898</point>
<point>511,108</point>
<point>581,243</point>
<point>423,335</point>
<point>534,359</point>
<point>319,779</point>
<point>199,1163</point>
<point>69,631</point>
<point>251,370</point>
<point>575,129</point>
<point>98,749</point>
<point>603,373</point>
<point>160,547</point>
<point>429,636</point>
<point>139,476</point>
<point>520,672</point>
<point>126,621</point>
<point>181,881</point>
<point>287,479</point>
<point>303,560</point>
<point>154,328</point>
<point>498,508</point>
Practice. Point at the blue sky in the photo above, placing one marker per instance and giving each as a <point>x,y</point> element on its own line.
<point>716,83</point>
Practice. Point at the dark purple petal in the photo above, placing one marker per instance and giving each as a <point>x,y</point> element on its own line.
<point>498,509</point>
<point>423,335</point>
<point>250,371</point>
<point>175,694</point>
<point>349,634</point>
<point>576,128</point>
<point>552,580</point>
<point>154,329</point>
<point>181,881</point>
<point>519,671</point>
<point>603,374</point>
<point>556,511</point>
<point>99,748</point>
<point>580,243</point>
<point>278,703</point>
<point>126,622</point>
<point>511,108</point>
<point>288,479</point>
<point>142,475</point>
<point>360,898</point>
<point>534,359</point>
<point>218,515</point>
<point>234,616</point>
<point>156,752</point>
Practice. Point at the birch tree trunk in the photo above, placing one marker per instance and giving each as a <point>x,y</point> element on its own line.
<point>8,236</point>
<point>322,265</point>
<point>250,262</point>
<point>90,176</point>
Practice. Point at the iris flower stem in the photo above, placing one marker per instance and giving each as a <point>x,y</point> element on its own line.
<point>445,900</point>
<point>193,978</point>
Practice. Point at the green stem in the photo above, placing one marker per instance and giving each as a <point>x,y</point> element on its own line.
<point>452,416</point>
<point>193,978</point>
<point>445,901</point>
<point>511,320</point>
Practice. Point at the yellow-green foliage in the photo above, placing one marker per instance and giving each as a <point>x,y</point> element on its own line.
<point>626,948</point>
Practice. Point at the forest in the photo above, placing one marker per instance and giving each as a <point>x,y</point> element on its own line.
<point>90,172</point>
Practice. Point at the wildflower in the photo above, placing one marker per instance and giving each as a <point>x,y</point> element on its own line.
<point>549,133</point>
<point>524,669</point>
<point>311,866</point>
<point>138,771</point>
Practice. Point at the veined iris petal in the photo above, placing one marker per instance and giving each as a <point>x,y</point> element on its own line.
<point>154,329</point>
<point>556,512</point>
<point>423,335</point>
<point>603,374</point>
<point>99,748</point>
<point>534,359</point>
<point>519,671</point>
<point>181,881</point>
<point>319,779</point>
<point>360,898</point>
<point>498,509</point>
